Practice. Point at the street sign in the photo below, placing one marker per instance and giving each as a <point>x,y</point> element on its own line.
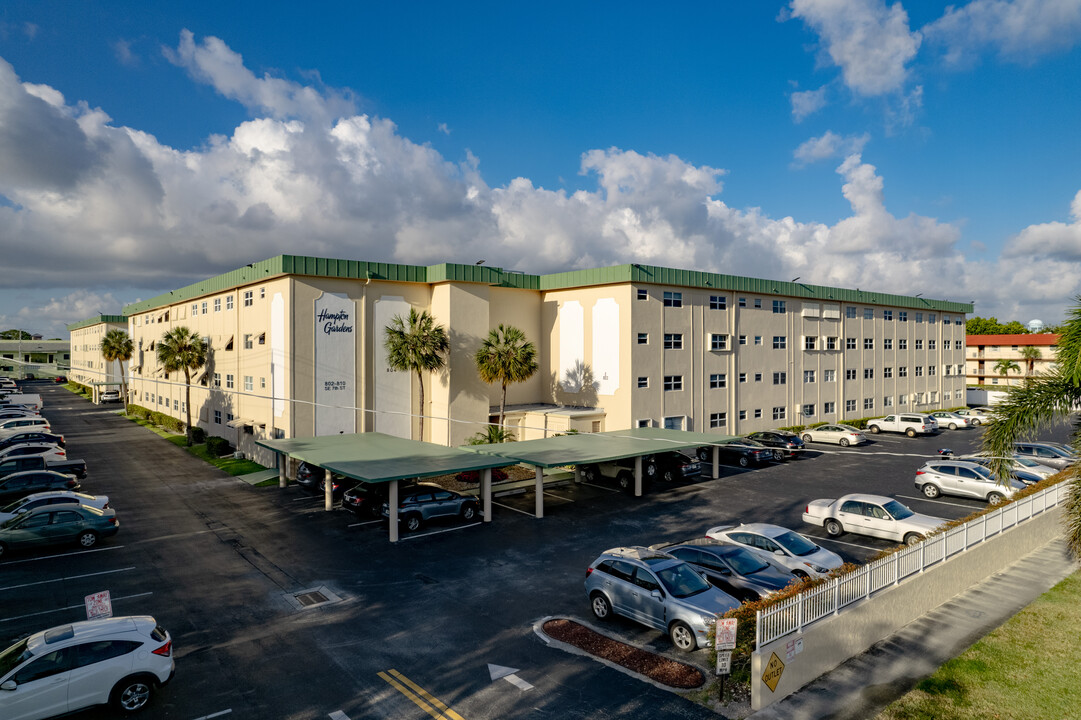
<point>724,662</point>
<point>99,605</point>
<point>772,674</point>
<point>726,634</point>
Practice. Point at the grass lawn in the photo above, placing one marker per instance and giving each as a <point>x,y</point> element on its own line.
<point>1030,668</point>
<point>227,463</point>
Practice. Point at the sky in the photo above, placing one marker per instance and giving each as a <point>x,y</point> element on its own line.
<point>910,148</point>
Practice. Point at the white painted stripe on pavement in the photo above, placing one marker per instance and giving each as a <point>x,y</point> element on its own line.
<point>940,502</point>
<point>438,532</point>
<point>63,579</point>
<point>517,682</point>
<point>338,715</point>
<point>599,487</point>
<point>558,497</point>
<point>64,555</point>
<point>214,715</point>
<point>366,522</point>
<point>512,508</point>
<point>72,607</point>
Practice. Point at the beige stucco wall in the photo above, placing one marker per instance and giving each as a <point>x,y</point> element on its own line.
<point>87,364</point>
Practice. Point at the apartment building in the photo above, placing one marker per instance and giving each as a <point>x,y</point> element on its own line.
<point>88,366</point>
<point>297,349</point>
<point>1008,359</point>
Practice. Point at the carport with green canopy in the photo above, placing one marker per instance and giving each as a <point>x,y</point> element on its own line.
<point>592,448</point>
<point>379,458</point>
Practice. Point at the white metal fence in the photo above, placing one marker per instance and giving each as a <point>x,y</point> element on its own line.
<point>830,598</point>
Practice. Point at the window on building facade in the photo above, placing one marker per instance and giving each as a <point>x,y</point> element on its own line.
<point>718,302</point>
<point>919,317</point>
<point>931,344</point>
<point>919,344</point>
<point>643,338</point>
<point>902,371</point>
<point>217,380</point>
<point>778,307</point>
<point>262,383</point>
<point>850,406</point>
<point>204,307</point>
<point>829,408</point>
<point>780,342</point>
<point>248,342</point>
<point>887,401</point>
<point>868,313</point>
<point>758,302</point>
<point>718,419</point>
<point>743,302</point>
<point>717,380</point>
<point>808,410</point>
<point>919,371</point>
<point>217,417</point>
<point>742,339</point>
<point>810,342</point>
<point>808,376</point>
<point>780,378</point>
<point>217,304</point>
<point>228,302</point>
<point>247,298</point>
<point>642,294</point>
<point>718,342</point>
<point>902,316</point>
<point>933,396</point>
<point>868,373</point>
<point>673,299</point>
<point>645,423</point>
<point>887,343</point>
<point>757,339</point>
<point>902,399</point>
<point>779,413</point>
<point>673,382</point>
<point>868,403</point>
<point>868,343</point>
<point>850,312</point>
<point>757,413</point>
<point>758,377</point>
<point>829,376</point>
<point>831,343</point>
<point>887,372</point>
<point>887,314</point>
<point>850,374</point>
<point>902,344</point>
<point>249,383</point>
<point>917,398</point>
<point>229,381</point>
<point>194,309</point>
<point>850,343</point>
<point>742,414</point>
<point>643,382</point>
<point>743,377</point>
<point>673,341</point>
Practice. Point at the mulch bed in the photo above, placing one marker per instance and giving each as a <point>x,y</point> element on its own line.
<point>655,667</point>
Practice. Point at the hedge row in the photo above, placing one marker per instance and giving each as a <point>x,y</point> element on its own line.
<point>156,418</point>
<point>218,446</point>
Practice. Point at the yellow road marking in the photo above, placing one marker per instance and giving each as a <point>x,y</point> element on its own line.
<point>421,697</point>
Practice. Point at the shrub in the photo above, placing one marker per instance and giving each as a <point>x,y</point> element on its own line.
<point>217,446</point>
<point>198,435</point>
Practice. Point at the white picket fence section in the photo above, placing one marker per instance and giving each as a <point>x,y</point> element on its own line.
<point>830,598</point>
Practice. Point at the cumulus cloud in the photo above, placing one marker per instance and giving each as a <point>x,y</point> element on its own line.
<point>1056,241</point>
<point>807,102</point>
<point>96,206</point>
<point>1017,29</point>
<point>869,41</point>
<point>828,145</point>
<point>124,55</point>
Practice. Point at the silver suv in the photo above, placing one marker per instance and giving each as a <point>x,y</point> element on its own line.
<point>964,479</point>
<point>656,590</point>
<point>1051,454</point>
<point>119,661</point>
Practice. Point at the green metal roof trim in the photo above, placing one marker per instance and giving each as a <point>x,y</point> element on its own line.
<point>98,319</point>
<point>376,457</point>
<point>652,274</point>
<point>584,448</point>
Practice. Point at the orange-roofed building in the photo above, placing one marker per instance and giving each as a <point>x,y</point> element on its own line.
<point>1033,354</point>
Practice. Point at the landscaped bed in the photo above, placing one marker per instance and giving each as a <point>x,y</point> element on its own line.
<point>656,667</point>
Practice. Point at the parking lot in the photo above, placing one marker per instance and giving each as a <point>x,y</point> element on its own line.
<point>409,629</point>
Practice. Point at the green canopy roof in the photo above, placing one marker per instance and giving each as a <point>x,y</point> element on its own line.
<point>376,457</point>
<point>585,448</point>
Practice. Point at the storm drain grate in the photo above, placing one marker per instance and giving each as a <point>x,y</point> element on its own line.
<point>311,598</point>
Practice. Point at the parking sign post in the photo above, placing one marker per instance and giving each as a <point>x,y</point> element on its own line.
<point>99,605</point>
<point>725,642</point>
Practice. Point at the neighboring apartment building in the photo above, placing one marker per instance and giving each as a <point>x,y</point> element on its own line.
<point>296,349</point>
<point>985,352</point>
<point>36,357</point>
<point>88,367</point>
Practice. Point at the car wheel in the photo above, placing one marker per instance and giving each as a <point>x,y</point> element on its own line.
<point>469,512</point>
<point>132,693</point>
<point>995,498</point>
<point>953,426</point>
<point>412,522</point>
<point>590,473</point>
<point>374,510</point>
<point>801,575</point>
<point>834,528</point>
<point>930,490</point>
<point>975,421</point>
<point>625,480</point>
<point>88,539</point>
<point>778,455</point>
<point>703,454</point>
<point>649,470</point>
<point>807,438</point>
<point>602,609</point>
<point>874,429</point>
<point>843,442</point>
<point>669,476</point>
<point>910,432</point>
<point>913,538</point>
<point>682,636</point>
<point>743,461</point>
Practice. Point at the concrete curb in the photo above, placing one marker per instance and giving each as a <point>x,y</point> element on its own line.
<point>538,630</point>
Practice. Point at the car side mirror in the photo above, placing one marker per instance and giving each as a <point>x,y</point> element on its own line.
<point>725,571</point>
<point>9,685</point>
<point>657,594</point>
<point>779,553</point>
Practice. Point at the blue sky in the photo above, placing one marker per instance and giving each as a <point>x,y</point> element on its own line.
<point>907,147</point>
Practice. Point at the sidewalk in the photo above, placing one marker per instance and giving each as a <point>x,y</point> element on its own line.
<point>860,688</point>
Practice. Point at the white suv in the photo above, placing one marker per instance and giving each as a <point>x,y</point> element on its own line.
<point>119,661</point>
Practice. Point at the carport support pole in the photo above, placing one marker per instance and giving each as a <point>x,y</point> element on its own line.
<point>638,476</point>
<point>281,462</point>
<point>716,462</point>
<point>539,491</point>
<point>392,505</point>
<point>486,493</point>
<point>577,475</point>
<point>328,494</point>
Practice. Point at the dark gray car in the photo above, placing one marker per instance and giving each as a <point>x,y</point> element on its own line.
<point>738,572</point>
<point>1049,454</point>
<point>423,502</point>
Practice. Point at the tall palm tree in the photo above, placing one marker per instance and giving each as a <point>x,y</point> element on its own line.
<point>419,345</point>
<point>117,345</point>
<point>1031,354</point>
<point>506,356</point>
<point>1004,366</point>
<point>1028,408</point>
<point>181,349</point>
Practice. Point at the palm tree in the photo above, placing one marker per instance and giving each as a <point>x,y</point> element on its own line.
<point>417,344</point>
<point>1031,354</point>
<point>181,349</point>
<point>506,356</point>
<point>491,435</point>
<point>117,345</point>
<point>1004,366</point>
<point>1028,408</point>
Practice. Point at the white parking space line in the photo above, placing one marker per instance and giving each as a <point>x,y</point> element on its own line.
<point>841,542</point>
<point>366,522</point>
<point>320,498</point>
<point>64,555</point>
<point>64,579</point>
<point>512,508</point>
<point>558,497</point>
<point>599,487</point>
<point>338,715</point>
<point>439,532</point>
<point>214,715</point>
<point>173,537</point>
<point>71,607</point>
<point>940,502</point>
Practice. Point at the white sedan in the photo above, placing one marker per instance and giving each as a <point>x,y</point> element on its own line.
<point>843,435</point>
<point>53,497</point>
<point>951,420</point>
<point>873,515</point>
<point>772,542</point>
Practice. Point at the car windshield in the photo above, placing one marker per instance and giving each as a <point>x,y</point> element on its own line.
<point>13,507</point>
<point>1026,462</point>
<point>744,562</point>
<point>848,428</point>
<point>897,510</point>
<point>795,543</point>
<point>681,581</point>
<point>13,656</point>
